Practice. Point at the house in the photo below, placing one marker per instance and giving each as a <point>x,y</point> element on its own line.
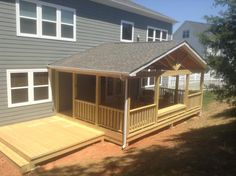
<point>190,32</point>
<point>74,72</point>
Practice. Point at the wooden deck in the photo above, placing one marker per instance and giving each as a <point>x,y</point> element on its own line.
<point>30,143</point>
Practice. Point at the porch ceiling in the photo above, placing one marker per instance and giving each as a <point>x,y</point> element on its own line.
<point>128,59</point>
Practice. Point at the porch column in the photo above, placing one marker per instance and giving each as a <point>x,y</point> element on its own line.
<point>74,92</point>
<point>57,97</point>
<point>186,90</point>
<point>156,95</point>
<point>126,114</point>
<point>176,89</point>
<point>202,88</point>
<point>98,97</point>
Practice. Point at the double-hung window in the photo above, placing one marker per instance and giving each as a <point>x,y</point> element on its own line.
<point>45,20</point>
<point>127,31</point>
<point>26,87</point>
<point>186,34</point>
<point>155,34</point>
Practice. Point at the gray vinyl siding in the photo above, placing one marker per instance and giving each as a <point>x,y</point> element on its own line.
<point>96,24</point>
<point>193,39</point>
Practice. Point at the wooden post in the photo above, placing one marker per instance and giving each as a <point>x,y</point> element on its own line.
<point>126,114</point>
<point>98,97</point>
<point>74,93</point>
<point>57,97</point>
<point>176,89</point>
<point>186,90</point>
<point>202,90</point>
<point>156,95</point>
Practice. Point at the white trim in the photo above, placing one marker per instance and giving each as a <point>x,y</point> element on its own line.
<point>39,21</point>
<point>148,82</point>
<point>154,34</point>
<point>200,60</point>
<point>121,31</point>
<point>30,87</point>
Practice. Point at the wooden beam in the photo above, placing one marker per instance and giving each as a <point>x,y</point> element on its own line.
<point>98,97</point>
<point>176,72</point>
<point>186,90</point>
<point>157,93</point>
<point>176,89</point>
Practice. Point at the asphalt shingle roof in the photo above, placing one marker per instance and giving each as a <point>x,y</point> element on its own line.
<point>122,58</point>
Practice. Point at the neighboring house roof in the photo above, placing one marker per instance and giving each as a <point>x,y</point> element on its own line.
<point>133,7</point>
<point>121,58</point>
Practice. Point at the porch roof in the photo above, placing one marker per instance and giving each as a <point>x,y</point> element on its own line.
<point>125,59</point>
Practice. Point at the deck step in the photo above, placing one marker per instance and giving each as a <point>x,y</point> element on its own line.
<point>23,164</point>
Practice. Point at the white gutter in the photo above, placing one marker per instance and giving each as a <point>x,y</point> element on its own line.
<point>125,116</point>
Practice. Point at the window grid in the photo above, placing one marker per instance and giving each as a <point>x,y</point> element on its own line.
<point>155,38</point>
<point>30,87</point>
<point>121,31</point>
<point>39,21</point>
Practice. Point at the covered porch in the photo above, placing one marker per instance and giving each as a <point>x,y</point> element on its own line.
<point>107,94</point>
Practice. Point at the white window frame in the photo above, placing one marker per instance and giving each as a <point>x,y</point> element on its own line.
<point>184,36</point>
<point>31,86</point>
<point>121,31</point>
<point>149,85</point>
<point>39,21</point>
<point>154,35</point>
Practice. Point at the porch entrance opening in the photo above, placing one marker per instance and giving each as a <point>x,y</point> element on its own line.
<point>65,93</point>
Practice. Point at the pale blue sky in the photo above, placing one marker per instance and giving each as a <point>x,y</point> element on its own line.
<point>182,10</point>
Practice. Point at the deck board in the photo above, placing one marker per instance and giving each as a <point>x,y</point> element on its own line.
<point>38,138</point>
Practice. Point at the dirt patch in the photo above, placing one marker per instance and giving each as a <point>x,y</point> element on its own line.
<point>180,150</point>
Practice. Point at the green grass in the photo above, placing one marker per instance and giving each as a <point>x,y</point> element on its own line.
<point>208,97</point>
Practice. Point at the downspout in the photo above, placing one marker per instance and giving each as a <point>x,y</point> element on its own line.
<point>125,116</point>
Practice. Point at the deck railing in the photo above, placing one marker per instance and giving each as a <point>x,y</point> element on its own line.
<point>85,111</point>
<point>142,117</point>
<point>170,93</point>
<point>194,100</point>
<point>110,118</point>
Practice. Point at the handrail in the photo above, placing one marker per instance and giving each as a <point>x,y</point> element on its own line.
<point>144,107</point>
<point>195,94</point>
<point>86,102</point>
<point>112,109</point>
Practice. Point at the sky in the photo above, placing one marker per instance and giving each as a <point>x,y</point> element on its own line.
<point>181,10</point>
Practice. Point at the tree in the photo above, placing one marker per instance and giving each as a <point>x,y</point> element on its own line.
<point>221,39</point>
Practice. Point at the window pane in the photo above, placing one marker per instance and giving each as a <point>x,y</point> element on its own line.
<point>19,96</point>
<point>67,17</point>
<point>67,31</point>
<point>19,80</point>
<point>27,9</point>
<point>27,26</point>
<point>40,78</point>
<point>49,29</point>
<point>144,82</point>
<point>127,31</point>
<point>158,34</point>
<point>150,33</point>
<point>40,93</point>
<point>152,81</point>
<point>164,35</point>
<point>49,13</point>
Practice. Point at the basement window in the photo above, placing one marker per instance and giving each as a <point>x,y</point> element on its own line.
<point>27,87</point>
